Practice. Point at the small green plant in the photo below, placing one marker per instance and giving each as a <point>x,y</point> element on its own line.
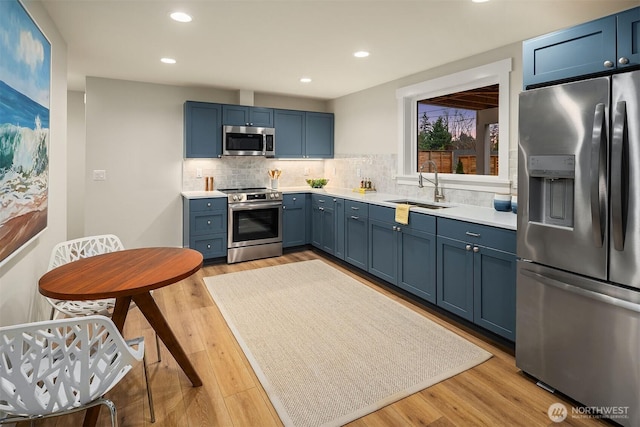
<point>317,183</point>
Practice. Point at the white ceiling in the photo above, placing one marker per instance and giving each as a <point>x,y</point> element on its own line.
<point>267,45</point>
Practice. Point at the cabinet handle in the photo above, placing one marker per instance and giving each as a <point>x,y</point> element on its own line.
<point>398,229</point>
<point>320,200</point>
<point>476,249</point>
<point>394,228</point>
<point>208,205</point>
<point>623,61</point>
<point>335,200</point>
<point>320,208</point>
<point>354,208</point>
<point>284,207</point>
<point>468,247</point>
<point>208,222</point>
<point>608,64</point>
<point>355,217</point>
<point>208,246</point>
<point>294,199</point>
<point>468,233</point>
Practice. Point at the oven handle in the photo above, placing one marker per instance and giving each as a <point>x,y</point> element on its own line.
<point>254,206</point>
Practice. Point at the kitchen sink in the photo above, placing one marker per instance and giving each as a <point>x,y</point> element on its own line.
<point>418,204</point>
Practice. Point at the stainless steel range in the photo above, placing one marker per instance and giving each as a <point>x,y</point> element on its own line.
<point>255,224</point>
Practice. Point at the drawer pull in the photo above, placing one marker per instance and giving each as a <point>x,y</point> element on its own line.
<point>476,249</point>
<point>468,233</point>
<point>468,247</point>
<point>208,205</point>
<point>208,246</point>
<point>355,217</point>
<point>320,200</point>
<point>208,222</point>
<point>355,208</point>
<point>394,228</point>
<point>320,208</point>
<point>294,199</point>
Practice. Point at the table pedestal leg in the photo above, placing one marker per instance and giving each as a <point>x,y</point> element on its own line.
<point>148,307</point>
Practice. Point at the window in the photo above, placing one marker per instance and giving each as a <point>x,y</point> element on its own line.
<point>459,122</point>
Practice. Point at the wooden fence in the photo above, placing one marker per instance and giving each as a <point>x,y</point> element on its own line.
<point>445,162</point>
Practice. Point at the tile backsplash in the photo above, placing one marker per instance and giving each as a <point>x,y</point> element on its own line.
<point>341,171</point>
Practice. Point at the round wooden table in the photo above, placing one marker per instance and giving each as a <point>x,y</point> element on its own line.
<point>127,275</point>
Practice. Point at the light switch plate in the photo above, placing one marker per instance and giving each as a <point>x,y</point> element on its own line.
<point>99,175</point>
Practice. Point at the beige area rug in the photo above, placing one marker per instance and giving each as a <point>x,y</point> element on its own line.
<point>329,349</point>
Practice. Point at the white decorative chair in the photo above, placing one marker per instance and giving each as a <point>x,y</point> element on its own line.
<point>62,366</point>
<point>85,247</point>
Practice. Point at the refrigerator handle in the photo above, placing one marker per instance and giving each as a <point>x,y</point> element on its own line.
<point>550,281</point>
<point>619,176</point>
<point>598,191</point>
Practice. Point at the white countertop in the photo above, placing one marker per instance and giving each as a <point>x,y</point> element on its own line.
<point>475,214</point>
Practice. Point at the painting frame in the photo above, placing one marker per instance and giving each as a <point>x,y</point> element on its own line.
<point>25,105</point>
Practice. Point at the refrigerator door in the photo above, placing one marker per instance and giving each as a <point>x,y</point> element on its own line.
<point>580,336</point>
<point>625,180</point>
<point>562,181</point>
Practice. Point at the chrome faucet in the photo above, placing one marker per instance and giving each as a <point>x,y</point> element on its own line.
<point>437,194</point>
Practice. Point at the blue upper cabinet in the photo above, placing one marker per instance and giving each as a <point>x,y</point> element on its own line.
<point>594,47</point>
<point>290,130</point>
<point>202,130</point>
<point>303,134</point>
<point>242,115</point>
<point>319,135</point>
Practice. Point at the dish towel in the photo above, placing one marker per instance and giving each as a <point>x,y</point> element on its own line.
<point>402,214</point>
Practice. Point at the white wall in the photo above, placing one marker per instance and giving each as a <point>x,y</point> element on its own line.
<point>19,298</point>
<point>76,152</point>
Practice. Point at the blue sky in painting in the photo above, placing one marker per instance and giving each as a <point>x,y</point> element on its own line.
<point>25,53</point>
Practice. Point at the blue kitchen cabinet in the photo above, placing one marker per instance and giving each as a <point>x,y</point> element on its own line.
<point>594,47</point>
<point>294,220</point>
<point>356,233</point>
<point>319,135</point>
<point>404,255</point>
<point>327,229</point>
<point>476,274</point>
<point>205,226</point>
<point>242,115</point>
<point>303,134</point>
<point>202,130</point>
<point>290,128</point>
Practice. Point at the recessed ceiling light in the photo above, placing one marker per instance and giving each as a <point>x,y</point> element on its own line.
<point>168,60</point>
<point>180,17</point>
<point>305,80</point>
<point>361,54</point>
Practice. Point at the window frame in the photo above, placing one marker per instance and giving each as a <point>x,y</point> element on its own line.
<point>407,97</point>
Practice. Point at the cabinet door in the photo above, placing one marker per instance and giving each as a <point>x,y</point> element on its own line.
<point>338,207</point>
<point>235,115</point>
<point>294,221</point>
<point>319,135</point>
<point>356,240</point>
<point>316,225</point>
<point>202,130</point>
<point>629,38</point>
<point>573,52</point>
<point>261,117</point>
<point>417,263</point>
<point>290,138</point>
<point>455,277</point>
<point>328,230</point>
<point>383,247</point>
<point>495,291</point>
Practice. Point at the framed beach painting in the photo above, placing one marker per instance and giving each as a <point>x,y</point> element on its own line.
<point>25,87</point>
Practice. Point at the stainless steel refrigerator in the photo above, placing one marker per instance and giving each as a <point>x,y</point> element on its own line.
<point>578,285</point>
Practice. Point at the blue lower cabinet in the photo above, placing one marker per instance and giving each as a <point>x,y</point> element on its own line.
<point>205,226</point>
<point>476,277</point>
<point>294,220</point>
<point>356,241</point>
<point>327,227</point>
<point>404,255</point>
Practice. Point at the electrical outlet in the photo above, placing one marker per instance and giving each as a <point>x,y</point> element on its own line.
<point>358,172</point>
<point>198,172</point>
<point>99,175</point>
<point>306,171</point>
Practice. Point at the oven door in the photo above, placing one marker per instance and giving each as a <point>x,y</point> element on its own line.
<point>255,224</point>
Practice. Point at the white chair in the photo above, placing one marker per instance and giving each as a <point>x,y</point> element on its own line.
<point>62,366</point>
<point>85,247</point>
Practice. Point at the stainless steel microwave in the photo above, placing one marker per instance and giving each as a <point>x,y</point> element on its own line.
<point>248,141</point>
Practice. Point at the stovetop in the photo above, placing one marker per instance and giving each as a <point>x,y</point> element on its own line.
<point>244,190</point>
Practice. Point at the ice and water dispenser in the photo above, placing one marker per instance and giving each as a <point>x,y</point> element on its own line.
<point>551,189</point>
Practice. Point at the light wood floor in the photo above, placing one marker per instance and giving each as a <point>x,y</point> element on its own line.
<point>494,393</point>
